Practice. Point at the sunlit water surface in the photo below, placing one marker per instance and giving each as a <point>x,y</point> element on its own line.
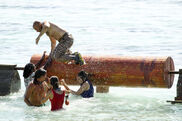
<point>99,27</point>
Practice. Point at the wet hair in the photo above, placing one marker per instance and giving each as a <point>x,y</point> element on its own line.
<point>36,23</point>
<point>54,82</point>
<point>28,70</point>
<point>40,72</point>
<point>83,75</point>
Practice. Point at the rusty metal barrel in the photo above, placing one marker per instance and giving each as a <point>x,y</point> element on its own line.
<point>117,71</point>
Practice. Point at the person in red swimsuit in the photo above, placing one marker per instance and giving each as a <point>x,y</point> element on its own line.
<point>57,96</point>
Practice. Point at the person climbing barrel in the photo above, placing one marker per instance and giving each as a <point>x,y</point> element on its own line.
<point>61,52</point>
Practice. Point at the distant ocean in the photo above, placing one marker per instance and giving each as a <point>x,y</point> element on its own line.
<point>99,27</point>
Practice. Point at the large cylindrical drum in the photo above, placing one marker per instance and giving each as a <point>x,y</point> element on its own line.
<point>117,71</point>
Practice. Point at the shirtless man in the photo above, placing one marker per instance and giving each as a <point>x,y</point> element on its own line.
<point>37,92</point>
<point>61,52</point>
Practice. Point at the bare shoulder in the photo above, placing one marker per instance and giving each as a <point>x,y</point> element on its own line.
<point>45,84</point>
<point>46,24</point>
<point>86,85</point>
<point>31,85</point>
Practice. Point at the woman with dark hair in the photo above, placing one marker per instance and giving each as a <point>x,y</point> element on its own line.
<point>29,70</point>
<point>41,75</point>
<point>86,89</point>
<point>28,73</point>
<point>57,96</point>
<point>37,92</point>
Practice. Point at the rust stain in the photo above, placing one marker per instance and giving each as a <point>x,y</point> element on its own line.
<point>147,68</point>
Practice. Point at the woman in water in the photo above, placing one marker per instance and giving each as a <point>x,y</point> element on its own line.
<point>57,96</point>
<point>86,89</point>
<point>29,70</point>
<point>28,73</point>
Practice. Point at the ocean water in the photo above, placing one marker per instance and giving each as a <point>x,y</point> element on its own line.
<point>99,27</point>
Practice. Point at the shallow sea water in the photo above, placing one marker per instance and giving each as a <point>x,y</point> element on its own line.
<point>119,27</point>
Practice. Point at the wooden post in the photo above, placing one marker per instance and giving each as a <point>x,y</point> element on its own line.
<point>102,89</point>
<point>178,98</point>
<point>9,79</point>
<point>179,87</point>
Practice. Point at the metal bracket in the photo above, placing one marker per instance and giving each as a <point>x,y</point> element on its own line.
<point>178,98</point>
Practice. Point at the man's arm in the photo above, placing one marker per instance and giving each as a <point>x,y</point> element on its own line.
<point>45,93</point>
<point>38,64</point>
<point>48,82</point>
<point>64,84</point>
<point>51,96</point>
<point>27,102</point>
<point>45,27</point>
<point>27,94</point>
<point>83,88</point>
<point>53,43</point>
<point>48,95</point>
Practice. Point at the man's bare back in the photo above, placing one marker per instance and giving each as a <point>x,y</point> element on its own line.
<point>37,95</point>
<point>38,91</point>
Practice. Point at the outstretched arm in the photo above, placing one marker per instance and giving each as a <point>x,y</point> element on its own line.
<point>45,27</point>
<point>83,88</point>
<point>64,84</point>
<point>53,43</point>
<point>37,65</point>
